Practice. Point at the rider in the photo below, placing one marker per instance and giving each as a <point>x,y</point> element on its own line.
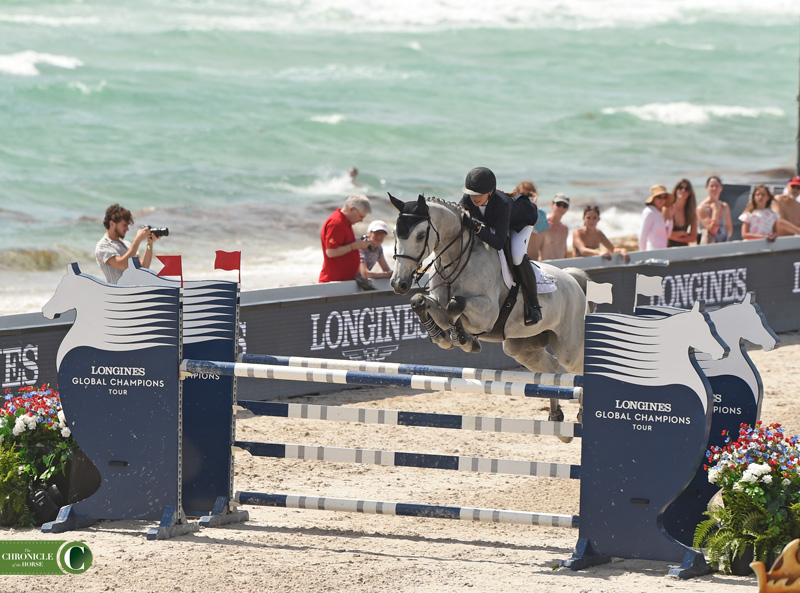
<point>493,217</point>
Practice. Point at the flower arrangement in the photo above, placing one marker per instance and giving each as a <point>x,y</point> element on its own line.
<point>760,491</point>
<point>35,447</point>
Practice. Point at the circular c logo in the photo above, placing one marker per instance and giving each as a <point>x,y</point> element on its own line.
<point>75,558</point>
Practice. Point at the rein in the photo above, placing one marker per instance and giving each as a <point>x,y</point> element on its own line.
<point>440,270</point>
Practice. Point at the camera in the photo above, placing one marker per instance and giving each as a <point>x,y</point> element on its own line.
<point>364,238</point>
<point>157,231</point>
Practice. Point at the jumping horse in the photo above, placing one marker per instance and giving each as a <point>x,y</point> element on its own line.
<point>466,293</point>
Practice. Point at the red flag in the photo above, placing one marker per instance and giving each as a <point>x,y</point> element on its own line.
<point>229,260</point>
<point>172,265</point>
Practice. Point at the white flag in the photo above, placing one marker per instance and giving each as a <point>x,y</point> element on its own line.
<point>599,293</point>
<point>649,285</point>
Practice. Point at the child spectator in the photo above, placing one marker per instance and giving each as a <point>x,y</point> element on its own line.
<point>759,221</point>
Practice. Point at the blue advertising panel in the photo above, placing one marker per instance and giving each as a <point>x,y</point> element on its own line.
<point>120,391</point>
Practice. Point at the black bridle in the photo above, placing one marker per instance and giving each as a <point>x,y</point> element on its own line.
<point>440,270</point>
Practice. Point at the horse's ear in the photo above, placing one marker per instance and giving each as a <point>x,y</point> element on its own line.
<point>421,201</point>
<point>699,305</point>
<point>73,269</point>
<point>397,203</point>
<point>749,298</point>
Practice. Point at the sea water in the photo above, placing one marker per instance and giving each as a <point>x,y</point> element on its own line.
<point>234,122</point>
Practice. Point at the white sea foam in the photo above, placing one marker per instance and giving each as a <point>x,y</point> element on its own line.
<point>326,185</point>
<point>341,72</point>
<point>88,89</point>
<point>386,15</point>
<point>24,63</point>
<point>333,118</point>
<point>48,21</point>
<point>683,113</point>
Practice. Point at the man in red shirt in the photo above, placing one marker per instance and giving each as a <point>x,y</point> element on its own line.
<point>339,245</point>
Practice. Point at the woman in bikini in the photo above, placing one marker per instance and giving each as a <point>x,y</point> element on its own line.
<point>714,215</point>
<point>684,215</point>
<point>590,240</point>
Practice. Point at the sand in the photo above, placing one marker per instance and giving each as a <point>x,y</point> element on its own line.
<point>313,551</point>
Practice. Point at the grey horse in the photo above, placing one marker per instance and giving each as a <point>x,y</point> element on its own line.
<point>467,293</point>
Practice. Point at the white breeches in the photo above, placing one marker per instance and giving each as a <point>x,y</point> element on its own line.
<point>519,244</point>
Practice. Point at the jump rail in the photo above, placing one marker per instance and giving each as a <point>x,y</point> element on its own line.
<point>485,465</point>
<point>349,505</point>
<point>558,380</point>
<point>426,419</point>
<point>454,385</point>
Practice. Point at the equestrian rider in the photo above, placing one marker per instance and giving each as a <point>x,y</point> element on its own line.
<point>494,216</point>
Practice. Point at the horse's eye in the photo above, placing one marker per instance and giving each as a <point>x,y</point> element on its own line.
<point>420,236</point>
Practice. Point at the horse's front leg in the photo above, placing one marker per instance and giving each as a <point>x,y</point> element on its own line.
<point>473,310</point>
<point>426,309</point>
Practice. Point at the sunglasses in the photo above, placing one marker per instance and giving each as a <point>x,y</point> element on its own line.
<point>686,187</point>
<point>562,205</point>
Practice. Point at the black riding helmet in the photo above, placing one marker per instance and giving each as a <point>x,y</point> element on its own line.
<point>479,181</point>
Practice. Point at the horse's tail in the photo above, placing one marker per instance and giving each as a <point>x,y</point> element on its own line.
<point>581,278</point>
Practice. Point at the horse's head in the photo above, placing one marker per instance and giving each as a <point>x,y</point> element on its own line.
<point>709,341</point>
<point>66,294</point>
<point>412,241</point>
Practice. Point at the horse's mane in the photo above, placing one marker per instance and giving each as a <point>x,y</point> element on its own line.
<point>454,207</point>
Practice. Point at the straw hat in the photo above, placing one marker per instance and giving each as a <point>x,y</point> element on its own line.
<point>660,190</point>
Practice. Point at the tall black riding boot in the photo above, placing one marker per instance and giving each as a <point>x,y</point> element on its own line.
<point>533,310</point>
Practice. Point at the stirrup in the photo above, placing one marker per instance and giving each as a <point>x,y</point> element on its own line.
<point>533,314</point>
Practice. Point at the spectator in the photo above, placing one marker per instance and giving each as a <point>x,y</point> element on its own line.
<point>112,253</point>
<point>759,221</point>
<point>353,174</point>
<point>590,240</point>
<point>684,215</point>
<point>527,188</point>
<point>714,215</point>
<point>656,220</point>
<point>339,245</point>
<point>788,209</point>
<point>376,233</point>
<point>494,218</point>
<point>554,245</point>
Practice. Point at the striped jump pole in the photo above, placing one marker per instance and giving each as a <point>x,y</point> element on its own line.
<point>292,501</point>
<point>398,418</point>
<point>454,385</point>
<point>559,380</point>
<point>484,465</point>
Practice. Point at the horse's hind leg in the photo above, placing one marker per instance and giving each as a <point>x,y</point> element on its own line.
<point>531,353</point>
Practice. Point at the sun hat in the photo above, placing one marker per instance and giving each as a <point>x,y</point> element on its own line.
<point>658,190</point>
<point>377,225</point>
<point>479,181</point>
<point>795,180</point>
<point>561,199</point>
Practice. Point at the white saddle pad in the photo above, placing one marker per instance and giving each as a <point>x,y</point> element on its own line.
<point>544,282</point>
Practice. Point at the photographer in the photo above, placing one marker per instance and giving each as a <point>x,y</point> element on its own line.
<point>112,253</point>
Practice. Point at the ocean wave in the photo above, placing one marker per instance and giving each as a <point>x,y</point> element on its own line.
<point>24,63</point>
<point>326,185</point>
<point>338,72</point>
<point>40,260</point>
<point>682,45</point>
<point>683,113</point>
<point>332,119</point>
<point>87,89</point>
<point>48,21</point>
<point>425,15</point>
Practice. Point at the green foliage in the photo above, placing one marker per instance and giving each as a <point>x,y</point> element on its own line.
<point>760,511</point>
<point>14,508</point>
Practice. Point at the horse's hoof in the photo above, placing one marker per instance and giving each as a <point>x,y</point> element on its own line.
<point>558,416</point>
<point>418,304</point>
